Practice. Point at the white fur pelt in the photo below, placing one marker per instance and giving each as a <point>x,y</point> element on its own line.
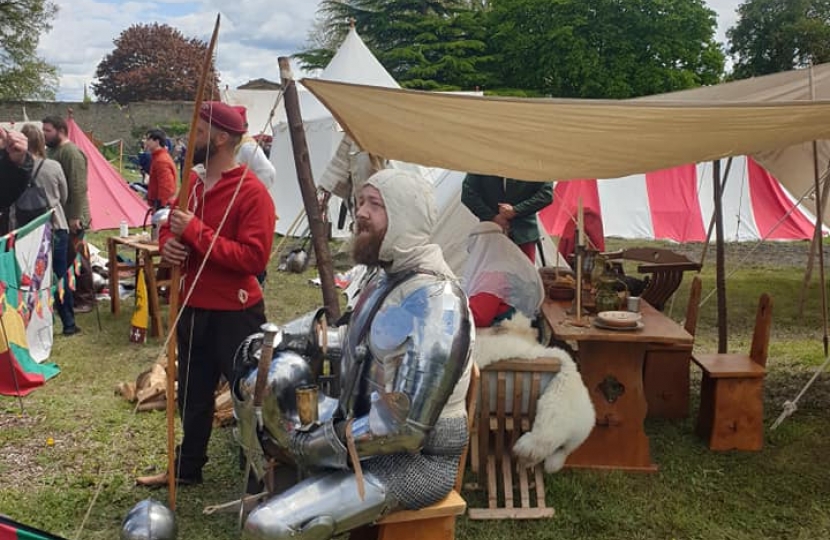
<point>564,414</point>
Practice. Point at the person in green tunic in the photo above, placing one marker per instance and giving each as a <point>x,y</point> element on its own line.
<point>76,209</point>
<point>510,203</point>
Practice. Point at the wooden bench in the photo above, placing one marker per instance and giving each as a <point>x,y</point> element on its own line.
<point>436,522</point>
<point>513,491</point>
<point>666,379</point>
<point>665,269</point>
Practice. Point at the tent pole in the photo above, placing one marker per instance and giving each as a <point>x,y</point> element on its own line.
<point>819,219</point>
<point>302,162</point>
<point>712,219</point>
<point>720,272</point>
<point>816,240</point>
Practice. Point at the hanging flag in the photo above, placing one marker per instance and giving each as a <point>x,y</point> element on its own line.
<point>25,328</point>
<point>141,314</point>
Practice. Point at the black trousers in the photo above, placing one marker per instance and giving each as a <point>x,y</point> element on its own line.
<point>207,342</point>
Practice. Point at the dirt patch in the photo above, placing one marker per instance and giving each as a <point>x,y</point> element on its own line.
<point>19,459</point>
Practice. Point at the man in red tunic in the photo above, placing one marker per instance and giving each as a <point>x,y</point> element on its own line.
<point>225,237</point>
<point>161,187</point>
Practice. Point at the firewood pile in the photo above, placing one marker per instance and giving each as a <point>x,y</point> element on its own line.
<point>149,393</point>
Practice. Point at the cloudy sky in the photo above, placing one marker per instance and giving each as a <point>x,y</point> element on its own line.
<point>253,33</point>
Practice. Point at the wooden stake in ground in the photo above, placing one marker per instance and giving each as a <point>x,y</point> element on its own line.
<point>176,274</point>
<point>302,163</point>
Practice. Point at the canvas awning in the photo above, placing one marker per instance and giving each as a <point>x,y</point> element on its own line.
<point>792,165</point>
<point>558,139</point>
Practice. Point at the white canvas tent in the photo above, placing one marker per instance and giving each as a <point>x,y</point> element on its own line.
<point>353,62</point>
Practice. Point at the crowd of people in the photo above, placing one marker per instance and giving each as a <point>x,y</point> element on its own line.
<point>54,175</point>
<point>394,434</point>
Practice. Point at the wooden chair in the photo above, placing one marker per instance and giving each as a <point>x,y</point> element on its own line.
<point>436,522</point>
<point>666,379</point>
<point>665,268</point>
<point>731,394</point>
<point>498,430</point>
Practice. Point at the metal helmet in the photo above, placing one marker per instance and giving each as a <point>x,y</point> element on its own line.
<point>149,520</point>
<point>159,217</point>
<point>297,261</point>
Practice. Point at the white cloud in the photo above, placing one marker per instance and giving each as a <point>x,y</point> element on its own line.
<point>253,33</point>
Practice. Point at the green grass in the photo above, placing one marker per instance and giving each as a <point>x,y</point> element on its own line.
<point>100,445</point>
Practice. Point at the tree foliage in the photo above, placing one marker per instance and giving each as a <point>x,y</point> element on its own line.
<point>152,62</point>
<point>564,48</point>
<point>605,48</point>
<point>427,44</point>
<point>779,35</point>
<point>23,74</point>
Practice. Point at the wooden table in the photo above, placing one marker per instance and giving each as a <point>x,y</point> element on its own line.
<point>611,364</point>
<point>145,252</point>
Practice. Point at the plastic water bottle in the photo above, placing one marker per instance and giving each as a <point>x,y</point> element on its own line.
<point>123,231</point>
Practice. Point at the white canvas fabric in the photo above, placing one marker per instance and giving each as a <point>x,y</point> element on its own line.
<point>411,215</point>
<point>561,139</point>
<point>497,266</point>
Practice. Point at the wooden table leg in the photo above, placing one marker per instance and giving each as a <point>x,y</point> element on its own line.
<point>152,295</point>
<point>613,374</point>
<point>115,297</point>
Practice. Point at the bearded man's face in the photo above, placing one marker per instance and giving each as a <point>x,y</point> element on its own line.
<point>203,152</point>
<point>371,226</point>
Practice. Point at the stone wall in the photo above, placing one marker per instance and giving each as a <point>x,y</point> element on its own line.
<point>106,121</point>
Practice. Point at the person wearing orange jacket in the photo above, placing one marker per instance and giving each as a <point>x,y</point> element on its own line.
<point>161,186</point>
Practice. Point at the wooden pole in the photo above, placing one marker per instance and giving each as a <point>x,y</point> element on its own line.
<point>176,274</point>
<point>816,240</point>
<point>712,219</point>
<point>720,271</point>
<point>302,163</point>
<point>817,231</point>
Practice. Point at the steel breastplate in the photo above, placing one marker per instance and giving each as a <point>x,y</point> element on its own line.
<point>353,383</point>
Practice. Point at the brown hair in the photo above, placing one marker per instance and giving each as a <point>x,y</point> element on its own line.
<point>37,144</point>
<point>58,123</point>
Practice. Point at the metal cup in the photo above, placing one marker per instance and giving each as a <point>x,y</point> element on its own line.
<point>307,403</point>
<point>633,304</point>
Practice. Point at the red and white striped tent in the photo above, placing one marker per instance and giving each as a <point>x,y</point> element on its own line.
<point>677,204</point>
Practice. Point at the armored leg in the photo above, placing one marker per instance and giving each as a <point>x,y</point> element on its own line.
<point>319,508</point>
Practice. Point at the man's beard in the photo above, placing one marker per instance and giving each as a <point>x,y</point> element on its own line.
<point>52,143</point>
<point>366,247</point>
<point>201,153</point>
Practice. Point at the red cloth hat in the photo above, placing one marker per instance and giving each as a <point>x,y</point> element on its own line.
<point>223,116</point>
<point>243,112</point>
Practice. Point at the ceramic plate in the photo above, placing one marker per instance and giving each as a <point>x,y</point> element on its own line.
<point>637,326</point>
<point>619,319</point>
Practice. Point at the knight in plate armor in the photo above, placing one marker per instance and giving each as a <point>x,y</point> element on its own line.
<point>393,435</point>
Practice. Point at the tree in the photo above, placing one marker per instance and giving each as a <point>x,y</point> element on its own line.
<point>779,35</point>
<point>153,62</point>
<point>605,48</point>
<point>23,74</point>
<point>427,44</point>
